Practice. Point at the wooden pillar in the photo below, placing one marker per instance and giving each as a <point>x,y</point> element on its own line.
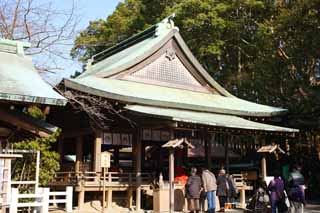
<point>81,195</point>
<point>116,156</point>
<point>143,155</point>
<point>138,168</point>
<point>242,197</point>
<point>109,201</point>
<point>263,160</point>
<point>79,154</point>
<point>263,167</point>
<point>226,142</point>
<point>209,141</point>
<point>109,197</point>
<point>97,151</point>
<point>129,198</point>
<point>206,151</point>
<point>171,179</point>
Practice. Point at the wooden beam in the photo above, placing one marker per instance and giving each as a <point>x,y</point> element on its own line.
<point>78,132</point>
<point>20,123</point>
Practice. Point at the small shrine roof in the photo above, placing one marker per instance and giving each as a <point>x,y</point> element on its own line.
<point>270,149</point>
<point>19,80</point>
<point>177,143</point>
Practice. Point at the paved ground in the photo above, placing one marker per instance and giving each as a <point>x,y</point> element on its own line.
<point>94,207</point>
<point>313,208</point>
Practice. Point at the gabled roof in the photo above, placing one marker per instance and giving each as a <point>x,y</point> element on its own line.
<point>138,48</point>
<point>116,74</point>
<point>19,80</point>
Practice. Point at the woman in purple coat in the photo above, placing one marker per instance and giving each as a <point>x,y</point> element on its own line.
<point>276,189</point>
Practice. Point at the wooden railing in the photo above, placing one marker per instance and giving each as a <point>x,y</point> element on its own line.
<point>96,178</point>
<point>66,178</point>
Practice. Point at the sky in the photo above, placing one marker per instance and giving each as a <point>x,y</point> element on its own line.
<point>88,10</point>
<point>95,9</point>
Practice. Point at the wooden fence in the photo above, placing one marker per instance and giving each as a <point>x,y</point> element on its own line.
<point>42,199</point>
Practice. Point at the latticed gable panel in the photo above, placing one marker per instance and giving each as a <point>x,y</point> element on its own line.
<point>167,69</point>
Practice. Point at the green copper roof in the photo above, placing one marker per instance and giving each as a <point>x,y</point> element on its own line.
<point>99,78</point>
<point>20,81</point>
<point>211,119</point>
<point>154,95</point>
<point>131,55</point>
<point>140,47</point>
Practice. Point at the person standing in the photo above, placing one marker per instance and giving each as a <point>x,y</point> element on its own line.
<point>261,198</point>
<point>276,189</point>
<point>232,189</point>
<point>222,188</point>
<point>296,192</point>
<point>210,187</point>
<point>193,189</point>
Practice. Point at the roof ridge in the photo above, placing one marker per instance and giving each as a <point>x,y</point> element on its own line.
<point>13,46</point>
<point>147,33</point>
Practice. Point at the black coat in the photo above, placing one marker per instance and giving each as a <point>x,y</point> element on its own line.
<point>222,186</point>
<point>193,187</point>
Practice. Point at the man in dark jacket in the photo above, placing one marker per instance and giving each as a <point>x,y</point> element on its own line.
<point>193,188</point>
<point>222,189</point>
<point>210,187</point>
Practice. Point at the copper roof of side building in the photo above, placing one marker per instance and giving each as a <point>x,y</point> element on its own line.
<point>19,80</point>
<point>156,68</point>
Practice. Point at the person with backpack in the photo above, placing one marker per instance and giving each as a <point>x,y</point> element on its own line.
<point>260,200</point>
<point>277,194</point>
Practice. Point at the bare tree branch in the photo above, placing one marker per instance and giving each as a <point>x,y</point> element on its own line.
<point>98,109</point>
<point>48,29</point>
